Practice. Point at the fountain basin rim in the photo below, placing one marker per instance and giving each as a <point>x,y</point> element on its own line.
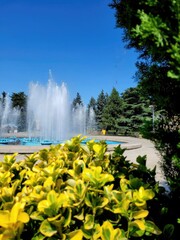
<point>129,143</point>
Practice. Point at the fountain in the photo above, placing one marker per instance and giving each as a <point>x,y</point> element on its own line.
<point>9,116</point>
<point>91,123</point>
<point>50,116</point>
<point>49,113</point>
<point>50,119</point>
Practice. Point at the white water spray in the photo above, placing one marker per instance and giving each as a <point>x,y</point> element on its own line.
<point>9,116</point>
<point>49,113</point>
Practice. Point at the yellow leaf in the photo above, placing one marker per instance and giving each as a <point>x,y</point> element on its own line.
<point>107,231</point>
<point>76,235</point>
<point>97,148</point>
<point>146,194</point>
<point>23,217</point>
<point>80,216</point>
<point>138,223</point>
<point>48,183</point>
<point>43,205</point>
<point>97,232</point>
<point>140,214</point>
<point>15,211</point>
<point>117,234</point>
<point>4,218</point>
<point>89,221</point>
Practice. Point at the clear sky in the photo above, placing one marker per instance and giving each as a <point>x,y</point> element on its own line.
<point>76,39</point>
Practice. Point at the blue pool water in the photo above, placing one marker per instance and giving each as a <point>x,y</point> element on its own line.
<point>37,141</point>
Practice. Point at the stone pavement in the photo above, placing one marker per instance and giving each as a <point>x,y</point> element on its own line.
<point>140,147</point>
<point>135,147</point>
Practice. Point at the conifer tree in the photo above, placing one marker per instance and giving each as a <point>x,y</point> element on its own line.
<point>77,101</point>
<point>100,104</point>
<point>112,111</point>
<point>135,111</point>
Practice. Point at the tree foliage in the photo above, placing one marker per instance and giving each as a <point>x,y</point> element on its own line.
<point>77,101</point>
<point>100,105</point>
<point>135,110</point>
<point>152,27</point>
<point>19,101</point>
<point>3,96</point>
<point>112,111</point>
<point>92,104</point>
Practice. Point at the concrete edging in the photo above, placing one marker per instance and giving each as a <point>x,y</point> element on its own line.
<point>128,143</point>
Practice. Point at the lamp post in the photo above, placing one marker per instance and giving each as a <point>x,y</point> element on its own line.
<point>152,109</point>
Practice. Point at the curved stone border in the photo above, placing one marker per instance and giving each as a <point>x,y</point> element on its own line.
<point>128,143</point>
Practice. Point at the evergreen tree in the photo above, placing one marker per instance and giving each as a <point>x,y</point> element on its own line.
<point>77,101</point>
<point>100,104</point>
<point>112,112</point>
<point>135,111</point>
<point>92,104</point>
<point>3,96</point>
<point>19,101</point>
<point>91,116</point>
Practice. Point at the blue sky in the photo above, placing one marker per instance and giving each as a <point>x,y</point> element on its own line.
<point>76,39</point>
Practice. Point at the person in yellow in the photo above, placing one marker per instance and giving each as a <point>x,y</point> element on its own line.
<point>103,132</point>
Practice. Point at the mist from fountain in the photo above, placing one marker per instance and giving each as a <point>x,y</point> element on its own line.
<point>91,121</point>
<point>9,116</point>
<point>79,120</point>
<point>50,115</point>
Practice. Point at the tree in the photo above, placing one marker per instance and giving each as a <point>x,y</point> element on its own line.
<point>152,27</point>
<point>100,105</point>
<point>2,98</point>
<point>19,101</point>
<point>91,116</point>
<point>92,104</point>
<point>135,110</point>
<point>112,111</point>
<point>77,101</point>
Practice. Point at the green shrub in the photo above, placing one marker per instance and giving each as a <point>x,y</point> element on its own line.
<point>74,191</point>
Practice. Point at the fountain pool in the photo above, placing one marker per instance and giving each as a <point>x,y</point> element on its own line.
<point>38,141</point>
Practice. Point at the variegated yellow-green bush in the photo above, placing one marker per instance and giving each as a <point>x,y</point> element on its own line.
<point>74,191</point>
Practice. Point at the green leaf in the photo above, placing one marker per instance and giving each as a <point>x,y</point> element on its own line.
<point>141,160</point>
<point>168,231</point>
<point>78,166</point>
<point>67,215</point>
<point>39,237</point>
<point>36,216</point>
<point>89,221</point>
<point>47,229</point>
<point>80,188</point>
<point>109,233</point>
<point>80,216</point>
<point>152,228</point>
<point>106,231</point>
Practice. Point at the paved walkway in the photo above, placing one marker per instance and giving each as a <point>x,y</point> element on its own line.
<point>135,147</point>
<point>140,147</point>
